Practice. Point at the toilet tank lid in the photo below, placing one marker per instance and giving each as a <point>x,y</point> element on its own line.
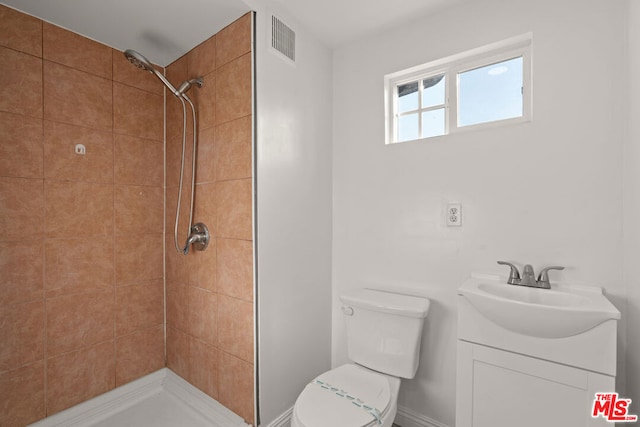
<point>387,302</point>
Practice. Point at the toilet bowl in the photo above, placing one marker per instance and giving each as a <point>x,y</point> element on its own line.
<point>384,332</point>
<point>348,396</point>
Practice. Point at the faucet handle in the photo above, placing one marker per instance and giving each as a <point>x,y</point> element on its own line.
<point>543,277</point>
<point>514,274</point>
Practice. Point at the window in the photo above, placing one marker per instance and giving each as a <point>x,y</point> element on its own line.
<point>421,108</point>
<point>486,86</point>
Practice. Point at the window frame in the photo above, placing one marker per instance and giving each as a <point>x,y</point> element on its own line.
<point>452,67</point>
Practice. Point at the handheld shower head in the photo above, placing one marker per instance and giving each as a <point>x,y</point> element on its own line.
<point>198,233</point>
<point>138,60</point>
<point>143,63</point>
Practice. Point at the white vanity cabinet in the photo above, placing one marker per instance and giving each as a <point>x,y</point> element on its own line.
<point>498,388</point>
<point>508,379</point>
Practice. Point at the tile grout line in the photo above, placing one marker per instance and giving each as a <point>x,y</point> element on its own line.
<point>82,348</point>
<point>114,240</point>
<point>164,222</point>
<point>216,230</point>
<point>45,332</point>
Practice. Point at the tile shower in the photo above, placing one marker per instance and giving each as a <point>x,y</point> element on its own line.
<point>82,275</point>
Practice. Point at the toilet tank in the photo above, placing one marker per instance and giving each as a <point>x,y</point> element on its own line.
<point>384,330</point>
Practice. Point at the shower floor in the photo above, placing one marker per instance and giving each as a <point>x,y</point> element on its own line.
<point>161,399</point>
<point>161,410</point>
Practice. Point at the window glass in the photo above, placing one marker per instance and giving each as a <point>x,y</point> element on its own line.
<point>408,127</point>
<point>433,123</point>
<point>408,97</point>
<point>433,92</point>
<point>490,93</point>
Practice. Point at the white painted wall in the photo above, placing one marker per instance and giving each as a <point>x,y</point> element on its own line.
<point>293,215</point>
<point>632,206</point>
<point>545,192</point>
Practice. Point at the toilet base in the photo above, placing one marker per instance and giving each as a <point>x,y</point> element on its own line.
<point>387,421</point>
<point>387,418</point>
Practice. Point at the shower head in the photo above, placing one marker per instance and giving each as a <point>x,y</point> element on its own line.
<point>138,60</point>
<point>143,63</point>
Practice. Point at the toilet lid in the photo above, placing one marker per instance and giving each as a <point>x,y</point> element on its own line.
<point>348,396</point>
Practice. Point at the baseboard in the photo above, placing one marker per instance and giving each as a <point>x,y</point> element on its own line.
<point>405,417</point>
<point>408,418</point>
<point>283,420</point>
<point>108,404</point>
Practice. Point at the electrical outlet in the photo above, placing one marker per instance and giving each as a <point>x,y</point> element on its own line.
<point>454,215</point>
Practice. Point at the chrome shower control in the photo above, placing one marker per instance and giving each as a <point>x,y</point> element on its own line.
<point>201,230</point>
<point>199,238</point>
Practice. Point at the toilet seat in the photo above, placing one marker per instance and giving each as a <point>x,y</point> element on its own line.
<point>347,396</point>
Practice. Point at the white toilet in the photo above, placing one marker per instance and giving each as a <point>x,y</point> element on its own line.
<point>384,331</point>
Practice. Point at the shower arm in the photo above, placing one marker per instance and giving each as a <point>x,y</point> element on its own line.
<point>186,85</point>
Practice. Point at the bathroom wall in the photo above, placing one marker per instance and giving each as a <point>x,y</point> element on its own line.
<point>631,211</point>
<point>210,294</point>
<point>545,192</point>
<point>81,292</point>
<point>294,208</point>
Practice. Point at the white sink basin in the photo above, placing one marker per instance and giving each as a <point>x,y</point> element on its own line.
<point>561,311</point>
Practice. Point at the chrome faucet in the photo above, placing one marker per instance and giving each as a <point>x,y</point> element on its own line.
<point>528,277</point>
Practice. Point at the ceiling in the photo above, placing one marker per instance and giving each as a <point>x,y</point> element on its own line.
<point>164,30</point>
<point>336,22</point>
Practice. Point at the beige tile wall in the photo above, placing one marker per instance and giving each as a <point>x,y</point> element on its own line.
<point>210,294</point>
<point>81,287</point>
<point>81,259</point>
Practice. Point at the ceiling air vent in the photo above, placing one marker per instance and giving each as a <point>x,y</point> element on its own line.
<point>283,38</point>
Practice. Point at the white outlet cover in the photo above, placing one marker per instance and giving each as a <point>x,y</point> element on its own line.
<point>453,215</point>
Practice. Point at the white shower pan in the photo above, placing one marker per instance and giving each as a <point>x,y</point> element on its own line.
<point>160,399</point>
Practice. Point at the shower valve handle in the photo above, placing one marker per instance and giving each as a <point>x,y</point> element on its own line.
<point>199,238</point>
